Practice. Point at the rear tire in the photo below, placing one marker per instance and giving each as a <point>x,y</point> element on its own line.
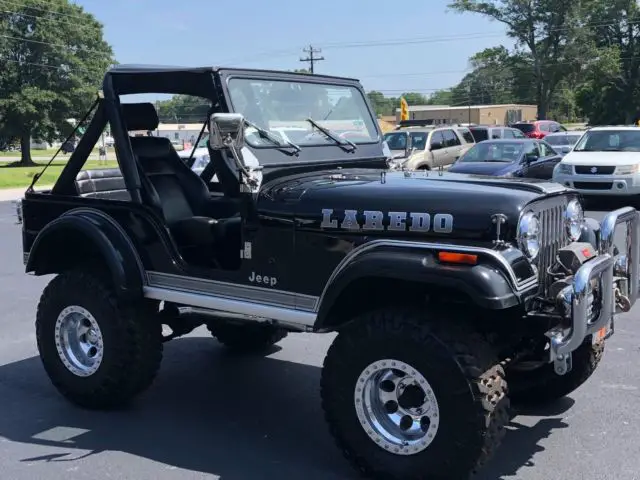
<point>247,338</point>
<point>118,355</point>
<point>454,372</point>
<point>542,385</point>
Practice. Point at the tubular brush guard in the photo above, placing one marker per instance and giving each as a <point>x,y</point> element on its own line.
<point>577,296</point>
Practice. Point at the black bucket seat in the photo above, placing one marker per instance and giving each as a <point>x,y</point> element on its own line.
<point>179,193</point>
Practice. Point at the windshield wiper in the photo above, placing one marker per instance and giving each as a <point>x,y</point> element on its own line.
<point>345,144</point>
<point>267,135</point>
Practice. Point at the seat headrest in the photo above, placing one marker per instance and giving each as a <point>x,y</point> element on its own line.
<point>140,116</point>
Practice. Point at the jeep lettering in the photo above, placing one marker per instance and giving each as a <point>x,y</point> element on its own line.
<point>271,281</point>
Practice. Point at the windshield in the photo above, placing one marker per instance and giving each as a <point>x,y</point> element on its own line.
<point>525,127</point>
<point>609,141</point>
<point>488,151</point>
<point>283,107</point>
<point>555,140</point>
<point>398,140</point>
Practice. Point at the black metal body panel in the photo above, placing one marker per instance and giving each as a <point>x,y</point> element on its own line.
<point>369,189</point>
<point>61,241</point>
<point>485,284</point>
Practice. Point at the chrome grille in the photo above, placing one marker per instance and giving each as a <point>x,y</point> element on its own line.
<point>553,236</point>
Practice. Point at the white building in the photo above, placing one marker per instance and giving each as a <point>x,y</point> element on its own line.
<point>179,132</point>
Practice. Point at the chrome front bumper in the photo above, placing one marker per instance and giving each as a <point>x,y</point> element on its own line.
<point>578,296</point>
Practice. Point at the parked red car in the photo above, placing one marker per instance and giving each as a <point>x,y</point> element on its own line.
<point>539,128</point>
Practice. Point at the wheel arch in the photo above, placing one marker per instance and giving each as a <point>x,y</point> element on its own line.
<point>84,236</point>
<point>388,276</point>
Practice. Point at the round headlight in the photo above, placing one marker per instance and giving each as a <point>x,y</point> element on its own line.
<point>573,219</point>
<point>529,235</point>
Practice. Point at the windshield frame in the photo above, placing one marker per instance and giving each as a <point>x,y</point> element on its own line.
<point>579,145</point>
<point>335,82</point>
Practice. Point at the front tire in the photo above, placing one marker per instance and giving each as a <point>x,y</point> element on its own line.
<point>409,395</point>
<point>98,351</point>
<point>542,385</point>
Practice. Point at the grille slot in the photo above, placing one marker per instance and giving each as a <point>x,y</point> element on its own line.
<point>600,169</point>
<point>593,185</point>
<point>552,239</point>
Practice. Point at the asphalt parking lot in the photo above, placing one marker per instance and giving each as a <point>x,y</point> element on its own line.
<point>215,415</point>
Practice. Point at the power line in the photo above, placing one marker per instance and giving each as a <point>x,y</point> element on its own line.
<point>311,59</point>
<point>55,20</point>
<point>22,5</point>
<point>416,40</point>
<point>57,45</point>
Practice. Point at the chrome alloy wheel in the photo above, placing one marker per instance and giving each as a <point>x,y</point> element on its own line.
<point>396,406</point>
<point>79,341</point>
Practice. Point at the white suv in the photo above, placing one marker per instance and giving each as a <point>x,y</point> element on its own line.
<point>605,161</point>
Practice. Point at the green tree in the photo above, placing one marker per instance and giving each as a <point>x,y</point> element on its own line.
<point>546,28</point>
<point>440,97</point>
<point>53,58</point>
<point>491,80</point>
<point>379,102</point>
<point>414,98</point>
<point>613,74</point>
<point>183,109</point>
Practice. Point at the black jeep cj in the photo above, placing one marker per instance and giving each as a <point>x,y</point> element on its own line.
<point>442,287</point>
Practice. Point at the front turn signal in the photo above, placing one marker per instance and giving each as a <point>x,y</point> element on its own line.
<point>459,258</point>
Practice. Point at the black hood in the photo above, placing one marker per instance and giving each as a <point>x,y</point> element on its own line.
<point>470,199</point>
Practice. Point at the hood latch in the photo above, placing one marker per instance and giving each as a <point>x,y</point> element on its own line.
<point>499,219</point>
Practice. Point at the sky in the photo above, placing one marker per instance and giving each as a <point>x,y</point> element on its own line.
<point>413,45</point>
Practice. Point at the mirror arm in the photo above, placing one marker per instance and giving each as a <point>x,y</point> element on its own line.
<point>237,156</point>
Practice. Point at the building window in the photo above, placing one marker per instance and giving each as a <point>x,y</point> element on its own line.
<point>513,116</point>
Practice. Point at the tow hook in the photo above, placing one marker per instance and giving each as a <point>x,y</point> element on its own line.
<point>622,301</point>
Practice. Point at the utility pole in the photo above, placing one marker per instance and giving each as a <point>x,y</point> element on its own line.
<point>469,100</point>
<point>311,59</point>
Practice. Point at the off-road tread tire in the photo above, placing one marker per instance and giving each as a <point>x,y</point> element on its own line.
<point>247,338</point>
<point>129,367</point>
<point>543,386</point>
<point>469,355</point>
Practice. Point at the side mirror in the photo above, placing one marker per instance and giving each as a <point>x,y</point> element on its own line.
<point>226,131</point>
<point>565,149</point>
<point>530,158</point>
<point>435,146</point>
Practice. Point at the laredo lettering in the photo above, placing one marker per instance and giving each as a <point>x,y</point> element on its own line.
<point>375,220</point>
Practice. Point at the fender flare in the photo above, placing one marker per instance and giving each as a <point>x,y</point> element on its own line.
<point>105,234</point>
<point>486,283</point>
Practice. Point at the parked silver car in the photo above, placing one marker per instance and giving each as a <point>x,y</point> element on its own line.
<point>429,147</point>
<point>563,142</point>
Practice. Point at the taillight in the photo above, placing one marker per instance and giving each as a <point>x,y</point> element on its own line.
<point>537,135</point>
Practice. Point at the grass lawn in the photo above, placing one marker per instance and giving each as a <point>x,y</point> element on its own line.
<point>17,177</point>
<point>45,153</point>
